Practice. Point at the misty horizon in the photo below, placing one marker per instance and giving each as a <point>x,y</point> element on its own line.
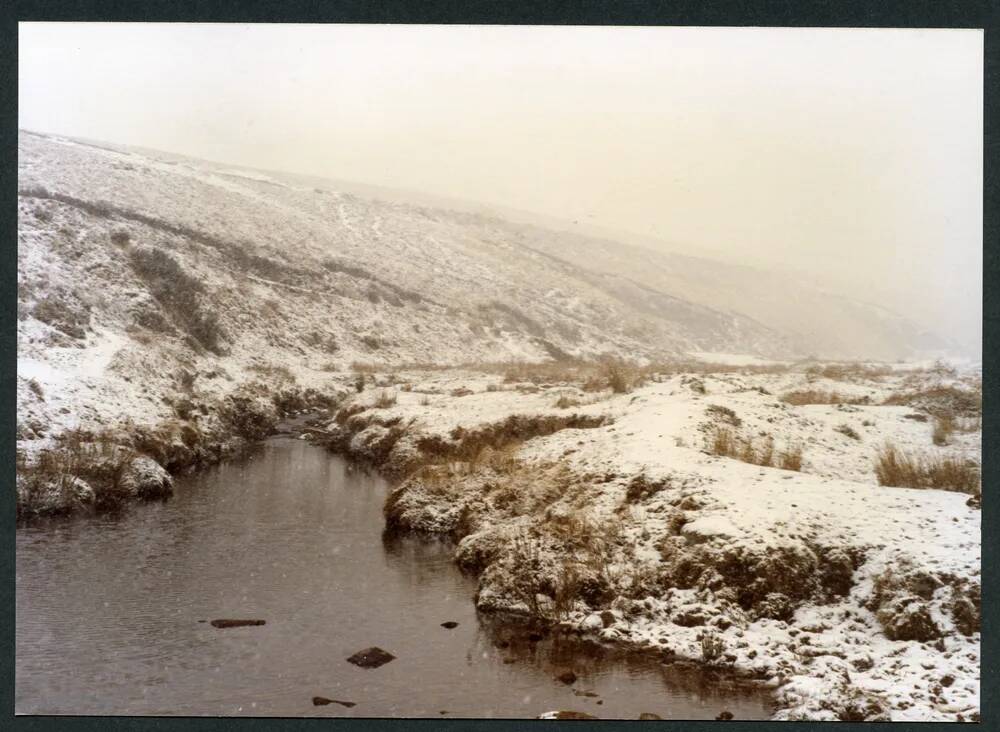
<point>807,185</point>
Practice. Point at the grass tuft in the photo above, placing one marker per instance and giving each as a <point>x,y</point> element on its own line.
<point>893,467</point>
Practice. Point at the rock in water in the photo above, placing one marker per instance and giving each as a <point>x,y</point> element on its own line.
<point>232,623</point>
<point>322,701</point>
<point>649,716</point>
<point>449,624</point>
<point>725,716</point>
<point>371,657</point>
<point>567,677</point>
<point>566,715</point>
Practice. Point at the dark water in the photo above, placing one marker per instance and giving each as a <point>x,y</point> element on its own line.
<point>108,613</point>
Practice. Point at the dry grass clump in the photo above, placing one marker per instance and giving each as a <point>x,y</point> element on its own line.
<point>942,400</point>
<point>366,367</point>
<point>552,372</point>
<point>847,431</point>
<point>791,458</point>
<point>594,375</point>
<point>640,488</point>
<point>818,396</point>
<point>723,414</point>
<point>386,398</point>
<point>565,402</point>
<point>893,467</point>
<point>694,366</point>
<point>96,459</point>
<point>36,388</point>
<point>277,372</point>
<point>944,429</point>
<point>621,376</point>
<point>550,581</point>
<point>712,646</point>
<point>849,371</point>
<point>726,442</point>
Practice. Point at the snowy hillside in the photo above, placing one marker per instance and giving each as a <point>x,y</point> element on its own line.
<point>299,266</point>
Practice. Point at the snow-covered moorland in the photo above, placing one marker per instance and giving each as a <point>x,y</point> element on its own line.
<point>609,514</point>
<point>170,311</point>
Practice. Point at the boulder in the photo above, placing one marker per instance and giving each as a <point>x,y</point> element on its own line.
<point>690,617</point>
<point>908,619</point>
<point>146,478</point>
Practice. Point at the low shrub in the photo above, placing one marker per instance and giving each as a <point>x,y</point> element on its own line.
<point>324,342</point>
<point>815,396</point>
<point>65,313</point>
<point>640,488</point>
<point>179,293</point>
<point>247,418</point>
<point>941,401</point>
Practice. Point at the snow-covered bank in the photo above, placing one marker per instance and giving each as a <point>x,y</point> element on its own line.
<point>854,600</point>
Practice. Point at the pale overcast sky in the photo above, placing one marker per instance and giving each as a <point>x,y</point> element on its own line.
<point>854,154</point>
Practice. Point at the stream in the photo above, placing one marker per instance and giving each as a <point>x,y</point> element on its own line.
<point>113,611</point>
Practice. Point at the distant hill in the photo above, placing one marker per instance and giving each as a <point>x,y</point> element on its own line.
<point>200,260</point>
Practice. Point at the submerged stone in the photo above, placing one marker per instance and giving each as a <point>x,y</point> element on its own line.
<point>566,715</point>
<point>235,623</point>
<point>449,624</point>
<point>322,701</point>
<point>371,657</point>
<point>567,677</point>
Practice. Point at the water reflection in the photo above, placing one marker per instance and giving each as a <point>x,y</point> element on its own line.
<point>108,612</point>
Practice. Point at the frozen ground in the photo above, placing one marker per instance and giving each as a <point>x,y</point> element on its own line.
<point>151,287</point>
<point>835,564</point>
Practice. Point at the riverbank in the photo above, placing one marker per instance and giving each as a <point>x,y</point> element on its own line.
<point>619,515</point>
<point>728,516</point>
<point>95,467</point>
